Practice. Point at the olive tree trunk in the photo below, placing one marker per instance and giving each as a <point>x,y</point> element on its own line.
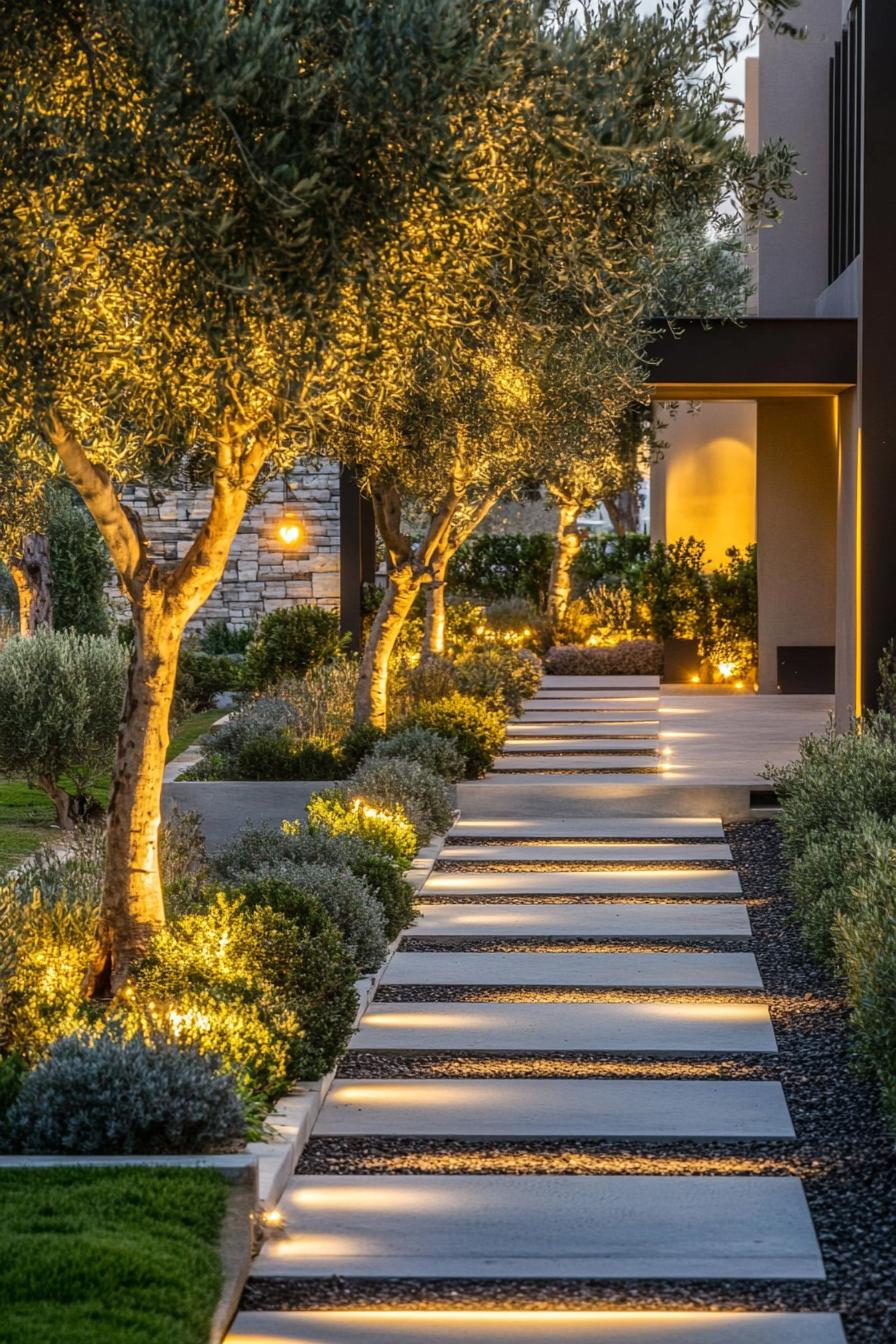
<point>31,574</point>
<point>624,511</point>
<point>434,621</point>
<point>566,548</point>
<point>371,700</point>
<point>162,601</point>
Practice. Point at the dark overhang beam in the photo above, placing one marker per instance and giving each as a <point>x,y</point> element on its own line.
<point>759,356</point>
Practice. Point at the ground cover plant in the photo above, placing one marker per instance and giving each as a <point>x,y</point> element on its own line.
<point>126,1254</point>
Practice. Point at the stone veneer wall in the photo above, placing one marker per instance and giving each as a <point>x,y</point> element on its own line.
<point>262,573</point>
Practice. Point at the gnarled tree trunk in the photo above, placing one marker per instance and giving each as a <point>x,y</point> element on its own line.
<point>162,601</point>
<point>624,511</point>
<point>373,674</point>
<point>566,548</point>
<point>133,907</point>
<point>30,570</point>
<point>434,621</point>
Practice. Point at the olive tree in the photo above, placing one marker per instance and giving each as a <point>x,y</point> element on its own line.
<point>559,265</point>
<point>196,200</point>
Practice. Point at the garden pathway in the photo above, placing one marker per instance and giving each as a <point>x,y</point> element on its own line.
<point>526,1103</point>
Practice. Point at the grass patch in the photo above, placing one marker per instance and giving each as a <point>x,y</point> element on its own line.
<point>27,817</point>
<point>192,728</point>
<point>122,1256</point>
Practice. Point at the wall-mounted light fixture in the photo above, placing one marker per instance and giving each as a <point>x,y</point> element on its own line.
<point>289,530</point>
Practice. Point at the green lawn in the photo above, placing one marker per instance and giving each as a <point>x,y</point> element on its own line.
<point>27,816</point>
<point>109,1256</point>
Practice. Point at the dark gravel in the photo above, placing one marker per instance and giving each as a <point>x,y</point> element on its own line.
<point>843,1152</point>
<point>583,866</point>
<point>542,944</point>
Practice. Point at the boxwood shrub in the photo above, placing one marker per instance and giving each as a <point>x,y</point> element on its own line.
<point>476,730</point>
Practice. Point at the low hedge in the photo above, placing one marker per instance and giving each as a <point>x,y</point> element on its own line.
<point>631,658</point>
<point>839,829</point>
<point>476,730</point>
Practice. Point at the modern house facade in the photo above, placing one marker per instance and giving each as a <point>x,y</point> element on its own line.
<point>793,444</point>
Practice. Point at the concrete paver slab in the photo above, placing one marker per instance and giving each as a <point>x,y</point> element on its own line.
<point>601,919</point>
<point>589,828</point>
<point>584,732</point>
<point>581,746</point>
<point>535,1327</point>
<point>612,882</point>
<point>555,1108</point>
<point>551,683</point>
<point>584,851</point>
<point>586,970</point>
<point>612,763</point>
<point>665,1227</point>
<point>661,1027</point>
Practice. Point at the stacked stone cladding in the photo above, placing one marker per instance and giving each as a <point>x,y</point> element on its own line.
<point>262,572</point>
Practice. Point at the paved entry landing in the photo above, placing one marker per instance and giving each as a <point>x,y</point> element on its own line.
<point>622,942</point>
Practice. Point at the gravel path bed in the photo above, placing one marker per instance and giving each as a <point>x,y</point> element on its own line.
<point>534,944</point>
<point>844,1150</point>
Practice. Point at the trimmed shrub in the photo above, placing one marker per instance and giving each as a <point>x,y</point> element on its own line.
<point>218,637</point>
<point>346,899</point>
<point>262,718</point>
<point>502,676</point>
<point>328,969</point>
<point>227,981</point>
<point>864,941</point>
<point>183,860</point>
<point>201,678</point>
<point>673,588</point>
<point>60,703</point>
<point>518,623</point>
<point>289,642</point>
<point>422,795</point>
<point>476,730</point>
<point>13,1072</point>
<point>47,920</point>
<point>279,756</point>
<point>421,683</point>
<point>292,843</point>
<point>431,750</point>
<point>110,1095</point>
<point>632,657</point>
<point>611,557</point>
<point>357,745</point>
<point>824,876</point>
<point>336,813</point>
<point>515,564</point>
<point>835,780</point>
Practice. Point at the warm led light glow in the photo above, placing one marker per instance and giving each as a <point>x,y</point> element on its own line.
<point>272,1218</point>
<point>290,530</point>
<point>726,669</point>
<point>695,678</point>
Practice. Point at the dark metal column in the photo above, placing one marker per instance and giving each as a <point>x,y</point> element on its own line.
<point>350,558</point>
<point>877,304</point>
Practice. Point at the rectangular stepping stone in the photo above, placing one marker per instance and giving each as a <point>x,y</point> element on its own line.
<point>573,1227</point>
<point>590,828</point>
<point>585,970</point>
<point>586,732</point>
<point>583,745</point>
<point>552,683</point>
<point>536,1327</point>
<point>546,1108</point>
<point>595,717</point>
<point>605,701</point>
<point>663,1027</point>
<point>593,761</point>
<point>610,882</point>
<point>602,919</point>
<point>584,852</point>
